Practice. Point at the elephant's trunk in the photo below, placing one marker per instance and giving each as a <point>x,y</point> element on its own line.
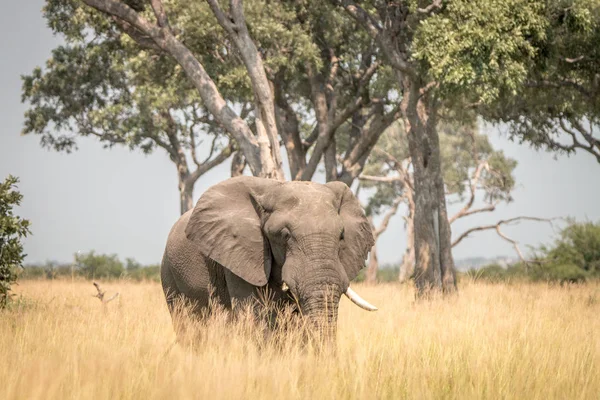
<point>321,310</point>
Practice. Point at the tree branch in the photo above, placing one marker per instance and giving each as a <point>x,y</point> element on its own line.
<point>141,39</point>
<point>376,31</point>
<point>496,227</point>
<point>385,179</point>
<point>161,15</point>
<point>473,188</point>
<point>594,144</point>
<point>206,87</point>
<point>225,21</point>
<point>437,4</point>
<point>388,216</point>
<point>208,165</point>
<point>193,145</point>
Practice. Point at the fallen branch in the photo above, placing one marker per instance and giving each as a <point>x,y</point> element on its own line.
<point>101,293</point>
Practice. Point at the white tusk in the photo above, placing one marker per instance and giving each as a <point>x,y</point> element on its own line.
<point>285,287</point>
<point>359,301</point>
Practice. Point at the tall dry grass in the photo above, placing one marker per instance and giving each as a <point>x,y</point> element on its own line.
<point>490,342</point>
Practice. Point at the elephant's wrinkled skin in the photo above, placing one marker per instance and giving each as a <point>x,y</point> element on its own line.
<point>247,233</point>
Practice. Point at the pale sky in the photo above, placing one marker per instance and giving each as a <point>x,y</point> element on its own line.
<point>117,201</point>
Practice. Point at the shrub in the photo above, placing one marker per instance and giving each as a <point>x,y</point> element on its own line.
<point>578,245</point>
<point>94,266</point>
<point>148,273</point>
<point>562,273</point>
<point>12,230</point>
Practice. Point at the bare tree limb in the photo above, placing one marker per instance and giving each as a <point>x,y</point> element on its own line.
<point>497,226</point>
<point>388,216</point>
<point>193,145</point>
<point>574,60</point>
<point>208,165</point>
<point>483,165</point>
<point>593,146</point>
<point>437,4</point>
<point>212,149</point>
<point>385,179</point>
<point>161,15</point>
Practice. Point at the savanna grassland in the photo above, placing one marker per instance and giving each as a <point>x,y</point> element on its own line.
<point>518,341</point>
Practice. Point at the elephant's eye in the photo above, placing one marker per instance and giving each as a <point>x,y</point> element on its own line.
<point>285,234</point>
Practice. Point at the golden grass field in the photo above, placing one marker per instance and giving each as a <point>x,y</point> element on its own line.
<point>516,341</point>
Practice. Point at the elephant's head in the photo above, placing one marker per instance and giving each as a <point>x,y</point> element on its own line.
<point>306,237</point>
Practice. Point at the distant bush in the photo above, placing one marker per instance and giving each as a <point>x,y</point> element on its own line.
<point>496,273</point>
<point>562,273</point>
<point>148,273</point>
<point>578,246</point>
<point>93,266</point>
<point>386,273</point>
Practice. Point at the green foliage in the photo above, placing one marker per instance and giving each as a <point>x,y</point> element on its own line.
<point>562,273</point>
<point>94,266</point>
<point>578,245</point>
<point>103,84</point>
<point>562,91</point>
<point>12,231</point>
<point>480,48</point>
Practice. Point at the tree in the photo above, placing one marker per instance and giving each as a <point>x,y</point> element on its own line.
<point>446,55</point>
<point>323,76</point>
<point>150,27</point>
<point>558,108</point>
<point>470,166</point>
<point>103,86</point>
<point>12,231</point>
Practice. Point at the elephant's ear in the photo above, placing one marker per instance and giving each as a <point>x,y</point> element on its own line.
<point>226,225</point>
<point>358,236</point>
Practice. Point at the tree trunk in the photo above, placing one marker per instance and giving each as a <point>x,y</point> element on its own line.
<point>434,266</point>
<point>407,268</point>
<point>373,267</point>
<point>371,274</point>
<point>186,197</point>
<point>238,163</point>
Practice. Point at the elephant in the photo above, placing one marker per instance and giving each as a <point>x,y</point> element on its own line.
<point>304,241</point>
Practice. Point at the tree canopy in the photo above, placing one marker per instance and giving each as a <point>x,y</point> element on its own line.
<point>558,104</point>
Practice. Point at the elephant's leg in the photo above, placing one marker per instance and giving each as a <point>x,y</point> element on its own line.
<point>242,294</point>
<point>175,300</point>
